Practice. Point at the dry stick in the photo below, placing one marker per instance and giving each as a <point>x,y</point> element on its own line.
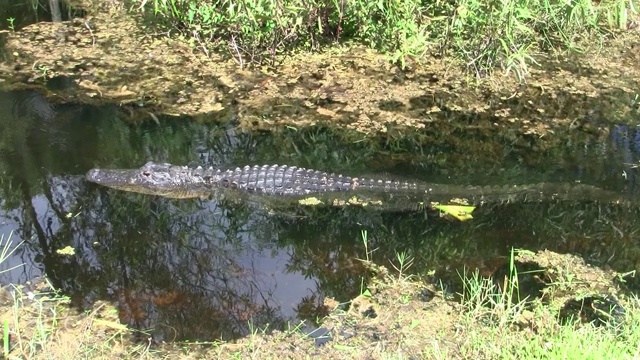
<point>340,21</point>
<point>93,38</point>
<point>146,349</point>
<point>235,47</point>
<point>86,325</point>
<point>273,49</point>
<point>204,48</point>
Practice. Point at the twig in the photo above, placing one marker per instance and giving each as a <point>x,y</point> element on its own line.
<point>86,24</point>
<point>234,46</point>
<point>204,48</point>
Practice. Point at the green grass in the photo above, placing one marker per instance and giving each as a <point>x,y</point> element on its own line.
<point>483,35</point>
<point>40,325</point>
<point>587,342</point>
<point>493,327</point>
<point>7,249</point>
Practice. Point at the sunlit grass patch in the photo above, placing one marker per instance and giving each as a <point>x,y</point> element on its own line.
<point>37,323</point>
<point>583,342</point>
<point>497,323</point>
<point>42,326</point>
<point>484,36</point>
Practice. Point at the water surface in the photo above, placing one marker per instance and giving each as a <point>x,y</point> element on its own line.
<point>205,269</point>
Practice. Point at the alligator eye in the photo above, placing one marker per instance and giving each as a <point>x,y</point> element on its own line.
<point>146,173</point>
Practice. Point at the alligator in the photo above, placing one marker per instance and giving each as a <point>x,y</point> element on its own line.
<point>282,181</point>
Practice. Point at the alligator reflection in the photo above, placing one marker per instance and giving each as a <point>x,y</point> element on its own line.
<point>207,269</point>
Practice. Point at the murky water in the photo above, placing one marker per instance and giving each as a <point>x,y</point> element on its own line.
<point>200,269</point>
<point>16,14</point>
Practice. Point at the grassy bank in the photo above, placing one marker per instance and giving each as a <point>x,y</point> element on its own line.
<point>482,35</point>
<point>397,316</point>
<point>46,328</point>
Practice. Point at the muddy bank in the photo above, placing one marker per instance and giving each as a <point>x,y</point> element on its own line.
<point>396,316</point>
<point>112,56</point>
<point>415,319</point>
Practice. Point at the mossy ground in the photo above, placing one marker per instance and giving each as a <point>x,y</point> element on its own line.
<point>110,56</point>
<point>396,317</point>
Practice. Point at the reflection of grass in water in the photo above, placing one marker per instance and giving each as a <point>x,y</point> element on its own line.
<point>493,322</point>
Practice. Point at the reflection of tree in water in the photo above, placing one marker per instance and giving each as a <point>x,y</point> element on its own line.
<point>183,268</point>
<point>604,234</point>
<point>31,11</point>
<point>163,263</point>
<point>625,149</point>
<point>192,269</point>
<point>36,201</point>
<point>125,251</point>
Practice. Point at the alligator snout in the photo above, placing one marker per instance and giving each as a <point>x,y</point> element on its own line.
<point>93,175</point>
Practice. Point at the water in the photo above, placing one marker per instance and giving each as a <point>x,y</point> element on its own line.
<point>196,269</point>
<point>16,14</point>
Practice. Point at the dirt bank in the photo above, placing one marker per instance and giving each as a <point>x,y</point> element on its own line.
<point>111,56</point>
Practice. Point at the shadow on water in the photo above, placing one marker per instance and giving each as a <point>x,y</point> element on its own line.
<point>18,14</point>
<point>196,269</point>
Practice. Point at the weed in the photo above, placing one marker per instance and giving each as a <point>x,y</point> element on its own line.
<point>5,339</point>
<point>405,261</point>
<point>483,35</point>
<point>484,299</point>
<point>11,21</point>
<point>7,249</point>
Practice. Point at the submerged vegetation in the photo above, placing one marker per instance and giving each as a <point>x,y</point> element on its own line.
<point>483,35</point>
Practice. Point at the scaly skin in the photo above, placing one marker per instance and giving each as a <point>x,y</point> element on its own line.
<point>182,182</point>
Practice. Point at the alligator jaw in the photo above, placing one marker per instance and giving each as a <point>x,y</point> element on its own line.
<point>145,182</point>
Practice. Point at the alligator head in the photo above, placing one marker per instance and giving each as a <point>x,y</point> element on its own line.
<point>178,182</point>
